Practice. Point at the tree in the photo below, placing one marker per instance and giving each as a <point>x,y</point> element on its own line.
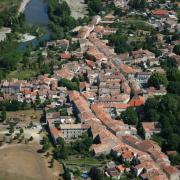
<point>21,130</point>
<point>137,4</point>
<point>63,112</point>
<point>129,116</point>
<point>45,144</point>
<point>173,141</point>
<point>95,6</point>
<point>175,159</point>
<point>69,84</point>
<point>174,87</point>
<point>173,74</point>
<point>3,115</point>
<point>120,42</point>
<point>157,79</point>
<point>61,151</point>
<point>176,49</point>
<point>96,174</point>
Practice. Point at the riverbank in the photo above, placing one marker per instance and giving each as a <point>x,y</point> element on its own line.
<point>23,6</point>
<point>26,37</point>
<point>78,8</point>
<point>3,32</point>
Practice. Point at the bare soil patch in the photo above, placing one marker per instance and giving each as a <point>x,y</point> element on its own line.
<point>22,162</point>
<point>26,115</point>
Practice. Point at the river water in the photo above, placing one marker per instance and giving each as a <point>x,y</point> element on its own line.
<point>36,14</point>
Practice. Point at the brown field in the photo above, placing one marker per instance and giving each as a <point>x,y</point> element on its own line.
<point>26,115</point>
<point>22,162</point>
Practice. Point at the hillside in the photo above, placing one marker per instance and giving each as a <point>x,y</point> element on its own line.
<point>6,5</point>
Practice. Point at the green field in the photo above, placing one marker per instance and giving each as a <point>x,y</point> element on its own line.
<point>86,163</point>
<point>5,5</point>
<point>21,74</point>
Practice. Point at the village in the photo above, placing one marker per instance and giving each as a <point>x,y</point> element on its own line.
<point>94,85</point>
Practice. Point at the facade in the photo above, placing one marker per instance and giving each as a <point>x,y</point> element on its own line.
<point>71,131</point>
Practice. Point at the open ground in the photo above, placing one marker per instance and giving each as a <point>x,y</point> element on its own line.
<point>26,115</point>
<point>22,162</point>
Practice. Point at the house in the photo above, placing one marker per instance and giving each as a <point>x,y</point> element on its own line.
<point>64,43</point>
<point>150,128</point>
<point>144,167</point>
<point>113,173</point>
<point>121,168</point>
<point>160,13</point>
<point>65,56</point>
<point>64,73</point>
<point>55,134</point>
<point>108,19</point>
<point>70,131</point>
<point>84,32</point>
<point>151,91</point>
<point>127,70</point>
<point>141,56</point>
<point>153,174</point>
<point>171,172</point>
<point>143,77</point>
<point>103,148</point>
<point>121,3</point>
<point>95,55</point>
<point>153,62</point>
<point>136,101</point>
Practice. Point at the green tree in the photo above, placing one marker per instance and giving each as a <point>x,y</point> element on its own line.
<point>3,115</point>
<point>96,174</point>
<point>157,79</point>
<point>173,74</point>
<point>95,6</point>
<point>175,159</point>
<point>177,49</point>
<point>174,87</point>
<point>129,116</point>
<point>61,152</point>
<point>137,4</point>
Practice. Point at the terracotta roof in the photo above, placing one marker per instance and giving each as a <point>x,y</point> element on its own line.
<point>171,152</point>
<point>120,168</point>
<point>160,12</point>
<point>150,126</point>
<point>137,101</point>
<point>169,170</point>
<point>65,55</point>
<point>127,69</point>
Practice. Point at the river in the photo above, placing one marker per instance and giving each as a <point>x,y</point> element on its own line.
<point>36,14</point>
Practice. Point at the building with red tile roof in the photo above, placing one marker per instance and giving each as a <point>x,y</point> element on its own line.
<point>161,13</point>
<point>65,56</point>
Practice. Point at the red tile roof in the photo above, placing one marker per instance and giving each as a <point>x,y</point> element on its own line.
<point>160,12</point>
<point>65,55</point>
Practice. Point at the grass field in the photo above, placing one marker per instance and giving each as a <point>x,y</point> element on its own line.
<point>22,162</point>
<point>8,4</point>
